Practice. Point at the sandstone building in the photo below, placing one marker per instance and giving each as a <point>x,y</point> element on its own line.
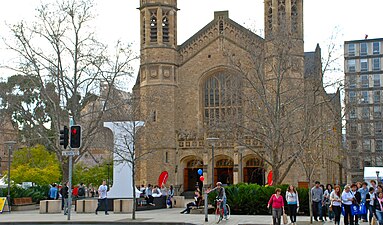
<point>203,88</point>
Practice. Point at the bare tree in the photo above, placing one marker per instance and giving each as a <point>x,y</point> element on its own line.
<point>272,96</point>
<point>64,65</point>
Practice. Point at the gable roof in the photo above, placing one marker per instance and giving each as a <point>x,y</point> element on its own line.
<point>220,26</point>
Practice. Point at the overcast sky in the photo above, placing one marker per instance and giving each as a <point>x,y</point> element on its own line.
<point>119,19</point>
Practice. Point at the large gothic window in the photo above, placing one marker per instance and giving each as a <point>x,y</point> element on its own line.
<point>281,12</point>
<point>222,99</point>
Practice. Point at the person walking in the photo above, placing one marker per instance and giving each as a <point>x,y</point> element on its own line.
<point>292,200</point>
<point>102,197</point>
<point>64,194</point>
<point>317,201</point>
<point>336,201</point>
<point>278,206</point>
<point>347,199</point>
<point>356,200</point>
<point>370,200</point>
<point>378,203</point>
<point>327,201</point>
<point>363,193</point>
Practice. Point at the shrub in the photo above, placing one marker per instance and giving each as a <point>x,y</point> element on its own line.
<point>252,199</point>
<point>36,192</point>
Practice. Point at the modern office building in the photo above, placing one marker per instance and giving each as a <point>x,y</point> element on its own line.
<point>363,75</point>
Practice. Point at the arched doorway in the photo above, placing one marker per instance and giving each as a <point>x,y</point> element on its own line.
<point>254,171</point>
<point>191,176</point>
<point>223,171</point>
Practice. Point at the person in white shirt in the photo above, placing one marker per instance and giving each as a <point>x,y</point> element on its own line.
<point>336,201</point>
<point>347,202</point>
<point>292,200</point>
<point>102,197</point>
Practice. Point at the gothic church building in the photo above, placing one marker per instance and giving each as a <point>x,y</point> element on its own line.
<point>183,90</point>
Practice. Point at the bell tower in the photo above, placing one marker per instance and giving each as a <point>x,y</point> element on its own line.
<point>284,35</point>
<point>158,85</point>
<point>284,16</point>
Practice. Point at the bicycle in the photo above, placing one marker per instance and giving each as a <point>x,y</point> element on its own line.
<point>219,211</point>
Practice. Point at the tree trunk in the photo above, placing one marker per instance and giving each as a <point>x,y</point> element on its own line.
<point>310,203</point>
<point>276,175</point>
<point>65,169</point>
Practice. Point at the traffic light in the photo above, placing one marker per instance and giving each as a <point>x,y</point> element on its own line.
<point>75,136</point>
<point>64,137</point>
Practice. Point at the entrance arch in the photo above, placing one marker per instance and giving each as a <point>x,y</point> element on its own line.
<point>191,176</point>
<point>223,171</point>
<point>254,171</point>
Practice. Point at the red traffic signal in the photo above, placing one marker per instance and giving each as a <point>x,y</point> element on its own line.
<point>75,136</point>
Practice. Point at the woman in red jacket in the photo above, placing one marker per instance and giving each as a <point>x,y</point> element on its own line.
<point>278,206</point>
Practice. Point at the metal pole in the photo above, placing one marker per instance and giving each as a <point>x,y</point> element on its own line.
<point>70,186</point>
<point>212,165</point>
<point>71,122</point>
<point>9,178</point>
<point>206,209</point>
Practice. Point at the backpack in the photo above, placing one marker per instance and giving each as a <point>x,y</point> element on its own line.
<point>81,191</point>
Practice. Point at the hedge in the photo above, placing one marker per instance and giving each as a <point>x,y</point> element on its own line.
<point>252,199</point>
<point>36,192</point>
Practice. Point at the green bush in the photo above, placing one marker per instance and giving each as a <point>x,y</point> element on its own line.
<point>252,199</point>
<point>37,192</point>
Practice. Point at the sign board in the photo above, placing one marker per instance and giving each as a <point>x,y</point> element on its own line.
<point>4,206</point>
<point>68,153</point>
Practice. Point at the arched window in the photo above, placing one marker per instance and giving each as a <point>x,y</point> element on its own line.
<point>165,27</point>
<point>224,163</point>
<point>281,12</point>
<point>222,98</point>
<point>153,26</point>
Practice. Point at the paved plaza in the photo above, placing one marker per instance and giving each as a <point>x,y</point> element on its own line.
<point>161,216</point>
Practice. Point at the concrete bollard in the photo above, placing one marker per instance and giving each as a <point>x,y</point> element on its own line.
<point>123,206</point>
<point>50,206</point>
<point>86,205</point>
<point>179,202</point>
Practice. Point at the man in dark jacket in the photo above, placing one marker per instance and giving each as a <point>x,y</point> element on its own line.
<point>357,199</point>
<point>64,194</point>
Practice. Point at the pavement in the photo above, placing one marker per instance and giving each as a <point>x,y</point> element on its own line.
<point>160,216</point>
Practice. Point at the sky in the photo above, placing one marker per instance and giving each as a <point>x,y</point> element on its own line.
<point>119,19</point>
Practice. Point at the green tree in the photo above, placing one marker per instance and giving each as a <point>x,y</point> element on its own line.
<point>35,164</point>
<point>92,175</point>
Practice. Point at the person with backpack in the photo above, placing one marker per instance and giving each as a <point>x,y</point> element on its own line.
<point>81,191</point>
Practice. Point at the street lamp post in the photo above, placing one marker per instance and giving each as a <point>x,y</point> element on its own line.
<point>10,146</point>
<point>212,140</point>
<point>377,177</point>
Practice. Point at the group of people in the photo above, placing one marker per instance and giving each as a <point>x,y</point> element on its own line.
<point>150,192</point>
<point>78,192</point>
<point>333,201</point>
